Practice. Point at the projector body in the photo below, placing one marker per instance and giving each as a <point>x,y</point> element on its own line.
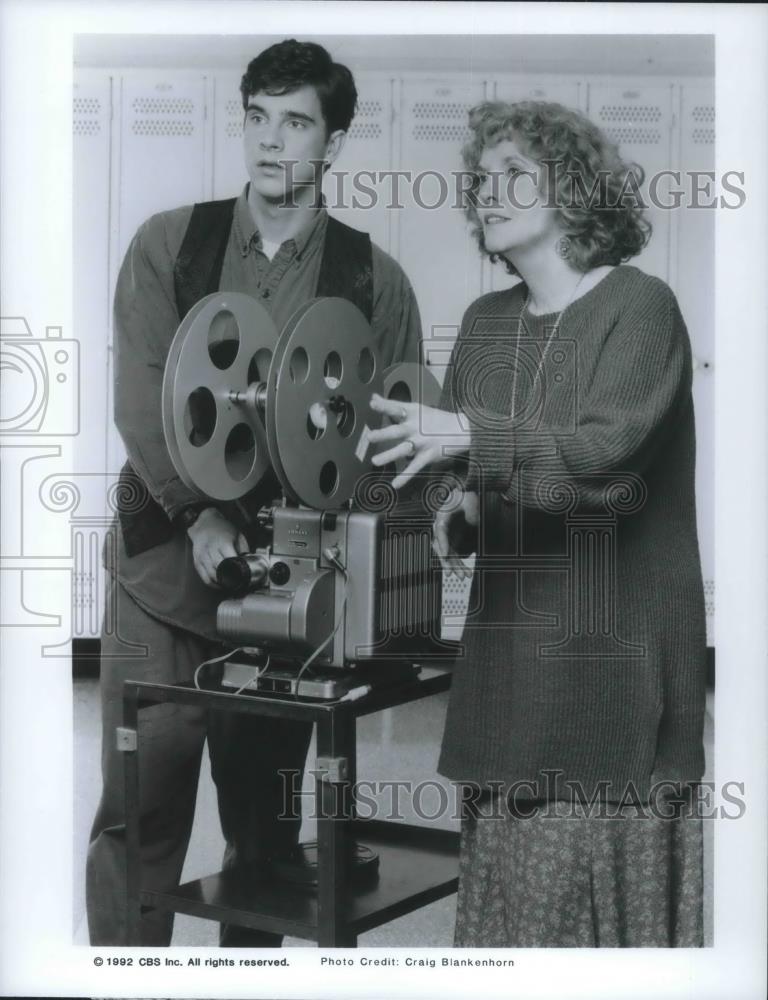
<point>368,579</point>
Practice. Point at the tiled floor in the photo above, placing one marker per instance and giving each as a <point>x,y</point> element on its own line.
<point>402,742</point>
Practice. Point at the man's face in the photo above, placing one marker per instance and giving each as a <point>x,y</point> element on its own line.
<point>510,204</point>
<point>285,142</point>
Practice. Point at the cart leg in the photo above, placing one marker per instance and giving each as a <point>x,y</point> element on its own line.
<point>333,789</point>
<point>128,740</point>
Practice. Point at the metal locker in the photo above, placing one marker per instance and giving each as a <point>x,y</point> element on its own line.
<point>229,173</point>
<point>91,140</point>
<point>695,290</point>
<point>161,162</point>
<point>639,119</point>
<point>433,242</point>
<point>352,187</point>
<point>695,272</point>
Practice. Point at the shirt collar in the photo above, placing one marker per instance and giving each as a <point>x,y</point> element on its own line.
<point>248,235</point>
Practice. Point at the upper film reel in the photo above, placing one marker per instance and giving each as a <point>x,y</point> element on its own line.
<point>214,432</point>
<point>318,414</point>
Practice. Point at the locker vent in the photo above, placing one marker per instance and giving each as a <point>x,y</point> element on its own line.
<point>165,124</point>
<point>233,128</point>
<point>455,595</point>
<point>364,130</point>
<point>442,133</point>
<point>157,127</point>
<point>163,105</point>
<point>703,136</point>
<point>85,126</point>
<point>82,107</point>
<point>440,109</point>
<point>630,113</point>
<point>703,113</point>
<point>369,109</point>
<point>634,135</point>
<point>709,597</point>
<point>704,117</point>
<point>86,105</point>
<point>82,593</point>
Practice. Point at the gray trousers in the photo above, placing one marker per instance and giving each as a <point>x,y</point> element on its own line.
<point>246,755</point>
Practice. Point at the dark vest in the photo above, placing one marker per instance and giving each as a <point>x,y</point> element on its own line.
<point>346,271</point>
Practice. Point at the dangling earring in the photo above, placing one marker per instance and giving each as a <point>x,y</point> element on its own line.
<point>563,247</point>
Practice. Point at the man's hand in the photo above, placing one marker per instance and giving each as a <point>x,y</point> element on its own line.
<point>214,538</point>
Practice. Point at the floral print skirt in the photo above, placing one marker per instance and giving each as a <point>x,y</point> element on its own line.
<point>565,878</point>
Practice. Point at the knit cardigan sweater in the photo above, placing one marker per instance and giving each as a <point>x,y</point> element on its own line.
<point>583,670</point>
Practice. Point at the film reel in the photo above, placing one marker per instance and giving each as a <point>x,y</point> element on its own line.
<point>215,434</point>
<point>411,383</point>
<point>318,413</point>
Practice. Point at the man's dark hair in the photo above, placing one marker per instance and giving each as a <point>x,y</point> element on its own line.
<point>289,65</point>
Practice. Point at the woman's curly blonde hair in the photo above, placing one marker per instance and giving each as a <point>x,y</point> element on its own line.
<point>594,192</point>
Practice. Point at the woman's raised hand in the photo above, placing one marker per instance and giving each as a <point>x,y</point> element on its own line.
<point>424,434</point>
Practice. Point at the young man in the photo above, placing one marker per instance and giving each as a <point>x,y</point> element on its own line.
<point>276,243</point>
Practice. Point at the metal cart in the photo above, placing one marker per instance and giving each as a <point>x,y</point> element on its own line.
<point>417,865</point>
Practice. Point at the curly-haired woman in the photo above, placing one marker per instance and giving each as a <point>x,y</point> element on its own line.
<point>576,712</point>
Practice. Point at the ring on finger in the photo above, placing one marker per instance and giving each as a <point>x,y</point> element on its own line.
<point>411,447</point>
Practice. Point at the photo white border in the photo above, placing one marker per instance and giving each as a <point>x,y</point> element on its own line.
<point>36,954</point>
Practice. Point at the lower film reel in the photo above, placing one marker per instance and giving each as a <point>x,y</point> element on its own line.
<point>212,424</point>
<point>411,383</point>
<point>318,413</point>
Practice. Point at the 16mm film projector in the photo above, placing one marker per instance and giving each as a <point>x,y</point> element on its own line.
<point>345,591</point>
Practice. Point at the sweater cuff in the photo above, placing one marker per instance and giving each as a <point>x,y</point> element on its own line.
<point>176,495</point>
<point>499,447</point>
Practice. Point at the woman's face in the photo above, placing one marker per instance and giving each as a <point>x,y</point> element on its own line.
<point>511,205</point>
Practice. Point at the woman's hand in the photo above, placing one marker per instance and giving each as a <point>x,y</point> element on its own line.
<point>458,503</point>
<point>422,434</point>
